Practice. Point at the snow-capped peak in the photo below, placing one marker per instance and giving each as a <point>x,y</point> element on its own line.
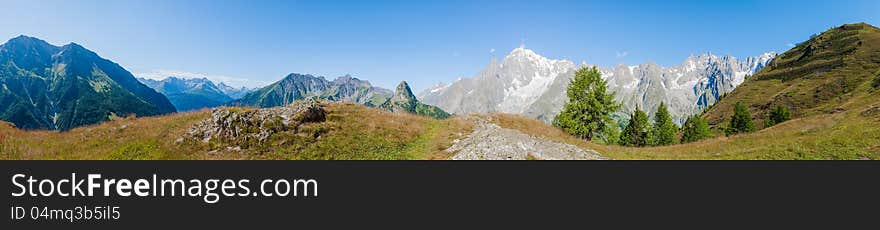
<point>527,83</point>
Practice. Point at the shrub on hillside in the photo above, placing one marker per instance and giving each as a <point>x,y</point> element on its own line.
<point>778,115</point>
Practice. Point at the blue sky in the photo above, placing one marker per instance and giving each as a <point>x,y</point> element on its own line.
<point>422,42</point>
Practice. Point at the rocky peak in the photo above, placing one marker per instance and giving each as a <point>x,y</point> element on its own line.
<point>403,93</point>
<point>345,79</point>
<point>403,100</point>
<point>351,81</point>
<point>302,78</point>
<point>27,42</point>
<point>28,52</point>
<point>76,49</point>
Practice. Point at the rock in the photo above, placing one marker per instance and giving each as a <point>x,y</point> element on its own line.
<point>491,142</point>
<point>872,111</point>
<point>242,128</point>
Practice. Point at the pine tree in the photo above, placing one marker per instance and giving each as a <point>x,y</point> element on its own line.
<point>694,129</point>
<point>589,107</point>
<point>741,121</point>
<point>777,115</point>
<point>636,132</point>
<point>664,129</point>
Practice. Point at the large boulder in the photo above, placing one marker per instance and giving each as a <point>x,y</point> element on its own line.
<point>245,127</point>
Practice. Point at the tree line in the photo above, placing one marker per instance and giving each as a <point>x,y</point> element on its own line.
<point>587,115</point>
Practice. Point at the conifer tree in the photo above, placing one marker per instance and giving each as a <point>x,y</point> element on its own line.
<point>741,121</point>
<point>663,132</point>
<point>694,129</point>
<point>589,107</point>
<point>636,132</point>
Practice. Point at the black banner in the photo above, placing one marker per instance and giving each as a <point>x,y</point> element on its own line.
<point>418,194</point>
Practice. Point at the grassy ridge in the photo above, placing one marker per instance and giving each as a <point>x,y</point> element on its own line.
<point>351,132</point>
<point>819,76</point>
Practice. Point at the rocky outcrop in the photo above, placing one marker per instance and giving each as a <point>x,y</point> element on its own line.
<point>246,127</point>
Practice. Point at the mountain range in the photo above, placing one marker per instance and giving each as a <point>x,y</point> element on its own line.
<point>51,87</point>
<point>43,86</point>
<point>305,86</point>
<point>342,89</point>
<point>830,83</point>
<point>190,94</point>
<point>532,85</point>
<point>59,88</point>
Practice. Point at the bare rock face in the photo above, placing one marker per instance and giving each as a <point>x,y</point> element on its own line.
<point>241,127</point>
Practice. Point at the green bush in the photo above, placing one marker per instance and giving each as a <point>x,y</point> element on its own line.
<point>778,115</point>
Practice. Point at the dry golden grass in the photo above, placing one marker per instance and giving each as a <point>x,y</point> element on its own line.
<point>149,137</point>
<point>446,132</point>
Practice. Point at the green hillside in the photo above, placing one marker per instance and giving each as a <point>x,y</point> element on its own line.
<point>49,87</point>
<point>829,73</point>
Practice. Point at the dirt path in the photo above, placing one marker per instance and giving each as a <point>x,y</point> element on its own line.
<point>491,142</point>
